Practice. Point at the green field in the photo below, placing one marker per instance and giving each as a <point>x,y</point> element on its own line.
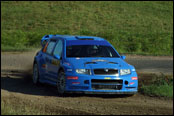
<point>132,27</point>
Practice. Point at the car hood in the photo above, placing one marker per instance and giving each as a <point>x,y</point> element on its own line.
<point>94,63</point>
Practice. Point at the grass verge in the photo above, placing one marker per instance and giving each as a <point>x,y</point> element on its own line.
<point>157,85</point>
<point>17,49</point>
<point>9,108</point>
<point>131,27</point>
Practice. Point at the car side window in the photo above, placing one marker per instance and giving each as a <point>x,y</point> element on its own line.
<point>50,47</point>
<point>45,47</point>
<point>58,49</point>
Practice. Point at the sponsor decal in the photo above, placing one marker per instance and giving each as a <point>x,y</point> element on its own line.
<point>134,78</point>
<point>107,77</point>
<point>55,62</point>
<point>70,70</point>
<point>131,83</point>
<point>44,65</point>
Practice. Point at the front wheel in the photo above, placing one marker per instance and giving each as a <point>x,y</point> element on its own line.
<point>61,83</point>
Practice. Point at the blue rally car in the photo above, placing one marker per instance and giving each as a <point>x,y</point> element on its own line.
<point>84,64</point>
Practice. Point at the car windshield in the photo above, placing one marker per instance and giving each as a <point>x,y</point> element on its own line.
<point>90,51</point>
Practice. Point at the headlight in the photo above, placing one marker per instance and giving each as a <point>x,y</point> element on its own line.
<point>125,71</point>
<point>83,71</point>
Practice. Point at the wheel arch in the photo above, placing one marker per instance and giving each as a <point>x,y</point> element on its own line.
<point>61,69</point>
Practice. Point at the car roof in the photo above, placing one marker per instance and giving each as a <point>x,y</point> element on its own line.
<point>77,37</point>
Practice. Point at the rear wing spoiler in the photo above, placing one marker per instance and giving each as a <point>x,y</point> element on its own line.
<point>45,39</point>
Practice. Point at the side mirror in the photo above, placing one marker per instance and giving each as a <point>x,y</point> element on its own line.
<point>57,57</point>
<point>123,57</point>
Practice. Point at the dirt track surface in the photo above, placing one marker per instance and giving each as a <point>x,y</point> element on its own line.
<point>152,64</point>
<point>147,64</point>
<point>16,84</point>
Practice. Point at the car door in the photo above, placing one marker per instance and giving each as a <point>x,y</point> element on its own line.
<point>55,63</point>
<point>48,59</point>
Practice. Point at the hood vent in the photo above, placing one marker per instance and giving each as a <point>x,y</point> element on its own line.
<point>112,63</point>
<point>90,63</point>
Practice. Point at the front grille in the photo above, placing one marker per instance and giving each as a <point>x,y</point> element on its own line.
<point>100,81</point>
<point>98,84</point>
<point>105,71</point>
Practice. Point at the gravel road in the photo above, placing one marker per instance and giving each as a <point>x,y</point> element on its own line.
<point>148,64</point>
<point>16,85</point>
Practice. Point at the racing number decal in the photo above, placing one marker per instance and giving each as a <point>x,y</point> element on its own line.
<point>55,62</point>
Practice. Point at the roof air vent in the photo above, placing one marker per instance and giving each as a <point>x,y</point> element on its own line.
<point>84,38</point>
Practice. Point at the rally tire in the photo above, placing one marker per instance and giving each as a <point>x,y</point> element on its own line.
<point>61,83</point>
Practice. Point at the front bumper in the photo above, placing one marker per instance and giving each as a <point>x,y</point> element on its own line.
<point>106,92</point>
<point>84,84</point>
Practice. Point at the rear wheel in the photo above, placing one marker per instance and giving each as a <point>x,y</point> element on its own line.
<point>61,83</point>
<point>35,74</point>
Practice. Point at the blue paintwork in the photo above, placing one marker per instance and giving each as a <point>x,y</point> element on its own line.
<point>69,65</point>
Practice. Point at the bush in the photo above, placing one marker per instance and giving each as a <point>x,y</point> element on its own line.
<point>159,86</point>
